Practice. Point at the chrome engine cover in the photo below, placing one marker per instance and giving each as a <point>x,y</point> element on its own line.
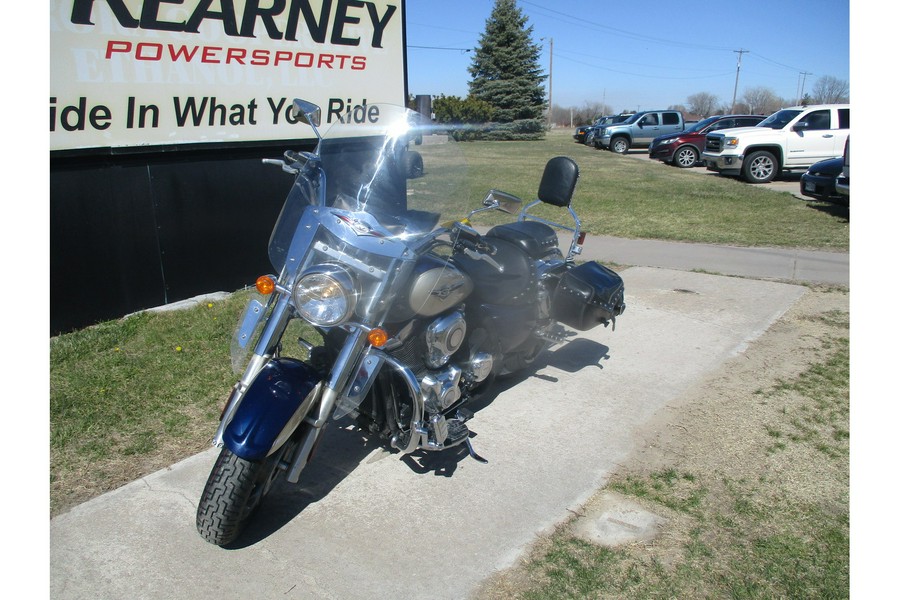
<point>444,337</point>
<point>441,389</point>
<point>480,366</point>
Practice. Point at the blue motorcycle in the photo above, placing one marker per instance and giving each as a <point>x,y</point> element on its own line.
<point>414,319</point>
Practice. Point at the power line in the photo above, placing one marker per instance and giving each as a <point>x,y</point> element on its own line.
<point>629,34</point>
<point>562,55</point>
<point>438,48</point>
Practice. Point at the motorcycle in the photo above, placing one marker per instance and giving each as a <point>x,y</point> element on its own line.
<point>413,320</point>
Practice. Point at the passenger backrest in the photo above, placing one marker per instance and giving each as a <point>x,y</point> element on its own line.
<point>558,182</point>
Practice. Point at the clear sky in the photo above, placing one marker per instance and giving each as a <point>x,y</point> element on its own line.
<point>642,54</point>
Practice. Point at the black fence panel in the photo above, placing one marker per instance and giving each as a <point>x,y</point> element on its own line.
<point>133,232</point>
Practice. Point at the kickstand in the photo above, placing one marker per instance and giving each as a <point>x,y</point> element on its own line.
<point>474,454</point>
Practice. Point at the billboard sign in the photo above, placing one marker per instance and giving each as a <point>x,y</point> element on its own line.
<point>148,73</point>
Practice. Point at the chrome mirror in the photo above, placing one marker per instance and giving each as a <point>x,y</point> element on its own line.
<point>502,201</point>
<point>306,112</point>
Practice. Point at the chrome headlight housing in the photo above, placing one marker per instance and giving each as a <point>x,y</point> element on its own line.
<point>325,295</point>
<point>731,142</point>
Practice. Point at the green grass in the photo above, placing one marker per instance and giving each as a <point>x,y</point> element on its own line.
<point>743,530</point>
<point>627,197</point>
<point>141,389</point>
<point>136,394</point>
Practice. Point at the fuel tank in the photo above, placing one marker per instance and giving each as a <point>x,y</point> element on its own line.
<point>515,284</point>
<point>436,286</point>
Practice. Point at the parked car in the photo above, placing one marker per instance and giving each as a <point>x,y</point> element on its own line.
<point>818,181</point>
<point>638,130</point>
<point>585,134</point>
<point>842,182</point>
<point>683,149</point>
<point>582,130</point>
<point>792,139</point>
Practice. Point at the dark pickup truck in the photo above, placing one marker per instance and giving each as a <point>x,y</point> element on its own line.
<point>585,134</point>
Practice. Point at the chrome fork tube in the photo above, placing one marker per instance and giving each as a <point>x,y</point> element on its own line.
<point>341,372</point>
<point>269,338</point>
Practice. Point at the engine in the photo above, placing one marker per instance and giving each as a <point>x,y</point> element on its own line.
<point>448,371</point>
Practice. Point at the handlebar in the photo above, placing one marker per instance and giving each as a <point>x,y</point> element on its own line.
<point>284,166</point>
<point>472,244</point>
<point>466,237</point>
<point>293,161</point>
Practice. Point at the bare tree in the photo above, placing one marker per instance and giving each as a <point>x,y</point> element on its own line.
<point>596,109</point>
<point>702,103</point>
<point>831,90</point>
<point>586,113</point>
<point>762,101</point>
<point>739,108</point>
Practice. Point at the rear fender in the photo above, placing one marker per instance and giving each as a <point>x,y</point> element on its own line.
<point>272,408</point>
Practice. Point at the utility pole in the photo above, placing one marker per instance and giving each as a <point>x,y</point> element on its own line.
<point>801,85</point>
<point>550,93</point>
<point>740,54</point>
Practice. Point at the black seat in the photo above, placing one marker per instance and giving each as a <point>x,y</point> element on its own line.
<point>538,240</point>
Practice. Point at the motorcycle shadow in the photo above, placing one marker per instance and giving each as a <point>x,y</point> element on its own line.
<point>573,357</point>
<point>344,447</point>
<point>341,450</point>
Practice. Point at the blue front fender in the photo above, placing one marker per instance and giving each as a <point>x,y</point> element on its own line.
<point>274,400</point>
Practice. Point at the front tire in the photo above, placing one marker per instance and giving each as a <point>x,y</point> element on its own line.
<point>686,157</point>
<point>233,492</point>
<point>760,167</point>
<point>620,145</point>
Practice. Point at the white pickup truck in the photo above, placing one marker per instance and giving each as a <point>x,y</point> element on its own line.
<point>791,139</point>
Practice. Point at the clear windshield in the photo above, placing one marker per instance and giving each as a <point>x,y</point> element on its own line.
<point>779,119</point>
<point>386,163</point>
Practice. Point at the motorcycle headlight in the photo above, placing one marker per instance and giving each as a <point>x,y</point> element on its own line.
<point>325,296</point>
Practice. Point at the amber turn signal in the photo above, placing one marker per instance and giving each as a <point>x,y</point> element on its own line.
<point>265,285</point>
<point>378,337</point>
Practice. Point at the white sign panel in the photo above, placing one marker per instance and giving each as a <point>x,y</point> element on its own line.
<point>132,73</point>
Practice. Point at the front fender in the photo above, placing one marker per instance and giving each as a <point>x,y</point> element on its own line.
<point>274,404</point>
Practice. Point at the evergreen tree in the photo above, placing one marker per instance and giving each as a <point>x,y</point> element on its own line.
<point>505,71</point>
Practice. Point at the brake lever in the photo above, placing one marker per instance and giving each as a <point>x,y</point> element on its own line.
<point>475,255</point>
<point>284,166</point>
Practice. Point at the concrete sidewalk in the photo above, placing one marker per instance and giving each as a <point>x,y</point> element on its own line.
<point>783,264</point>
<point>366,523</point>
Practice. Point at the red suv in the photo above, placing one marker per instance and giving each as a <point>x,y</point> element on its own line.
<point>683,149</point>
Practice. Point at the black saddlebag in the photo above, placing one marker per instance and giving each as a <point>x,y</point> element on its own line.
<point>588,295</point>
